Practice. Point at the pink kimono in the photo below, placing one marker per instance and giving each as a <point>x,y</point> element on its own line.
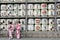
<point>18,27</point>
<point>10,30</point>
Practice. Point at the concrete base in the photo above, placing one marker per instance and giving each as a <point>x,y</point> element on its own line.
<point>34,34</point>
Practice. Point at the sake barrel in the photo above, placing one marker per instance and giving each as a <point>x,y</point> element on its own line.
<point>58,5</point>
<point>51,21</point>
<point>30,6</point>
<point>44,21</point>
<point>30,27</point>
<point>45,27</point>
<point>37,27</point>
<point>30,13</point>
<point>58,21</point>
<point>58,12</point>
<point>14,13</point>
<point>10,6</point>
<point>15,21</point>
<point>37,13</point>
<point>44,13</point>
<point>3,21</point>
<point>3,13</point>
<point>22,21</point>
<point>15,6</point>
<point>3,7</point>
<point>3,27</point>
<point>58,27</point>
<point>51,13</point>
<point>51,6</point>
<point>31,21</point>
<point>23,28</point>
<point>43,6</point>
<point>37,21</point>
<point>37,6</point>
<point>21,13</point>
<point>9,13</point>
<point>9,20</point>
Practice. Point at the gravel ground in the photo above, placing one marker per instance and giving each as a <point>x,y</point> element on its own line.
<point>31,39</point>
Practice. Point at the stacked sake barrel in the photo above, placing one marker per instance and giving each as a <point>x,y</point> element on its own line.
<point>13,10</point>
<point>4,23</point>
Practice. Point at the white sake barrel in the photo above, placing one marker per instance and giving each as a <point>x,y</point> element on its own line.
<point>51,27</point>
<point>3,21</point>
<point>3,27</point>
<point>30,13</point>
<point>45,27</point>
<point>14,14</point>
<point>22,21</point>
<point>9,13</point>
<point>9,20</point>
<point>30,27</point>
<point>58,27</point>
<point>3,7</point>
<point>36,13</point>
<point>15,6</point>
<point>9,6</point>
<point>44,21</point>
<point>58,5</point>
<point>31,21</point>
<point>44,13</point>
<point>51,21</point>
<point>58,21</point>
<point>39,12</point>
<point>58,12</point>
<point>51,6</point>
<point>30,6</point>
<point>21,6</point>
<point>23,27</point>
<point>43,6</point>
<point>36,6</point>
<point>21,13</point>
<point>7,27</point>
<point>15,21</point>
<point>37,27</point>
<point>3,13</point>
<point>37,21</point>
<point>51,13</point>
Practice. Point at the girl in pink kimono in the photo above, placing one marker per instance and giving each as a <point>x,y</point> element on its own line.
<point>10,30</point>
<point>18,28</point>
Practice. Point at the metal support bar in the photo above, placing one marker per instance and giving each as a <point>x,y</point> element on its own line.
<point>26,16</point>
<point>55,17</point>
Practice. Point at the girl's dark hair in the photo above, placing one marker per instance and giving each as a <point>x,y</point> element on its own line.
<point>10,22</point>
<point>18,21</point>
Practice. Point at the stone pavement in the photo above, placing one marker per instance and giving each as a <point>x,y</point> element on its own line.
<point>31,39</point>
